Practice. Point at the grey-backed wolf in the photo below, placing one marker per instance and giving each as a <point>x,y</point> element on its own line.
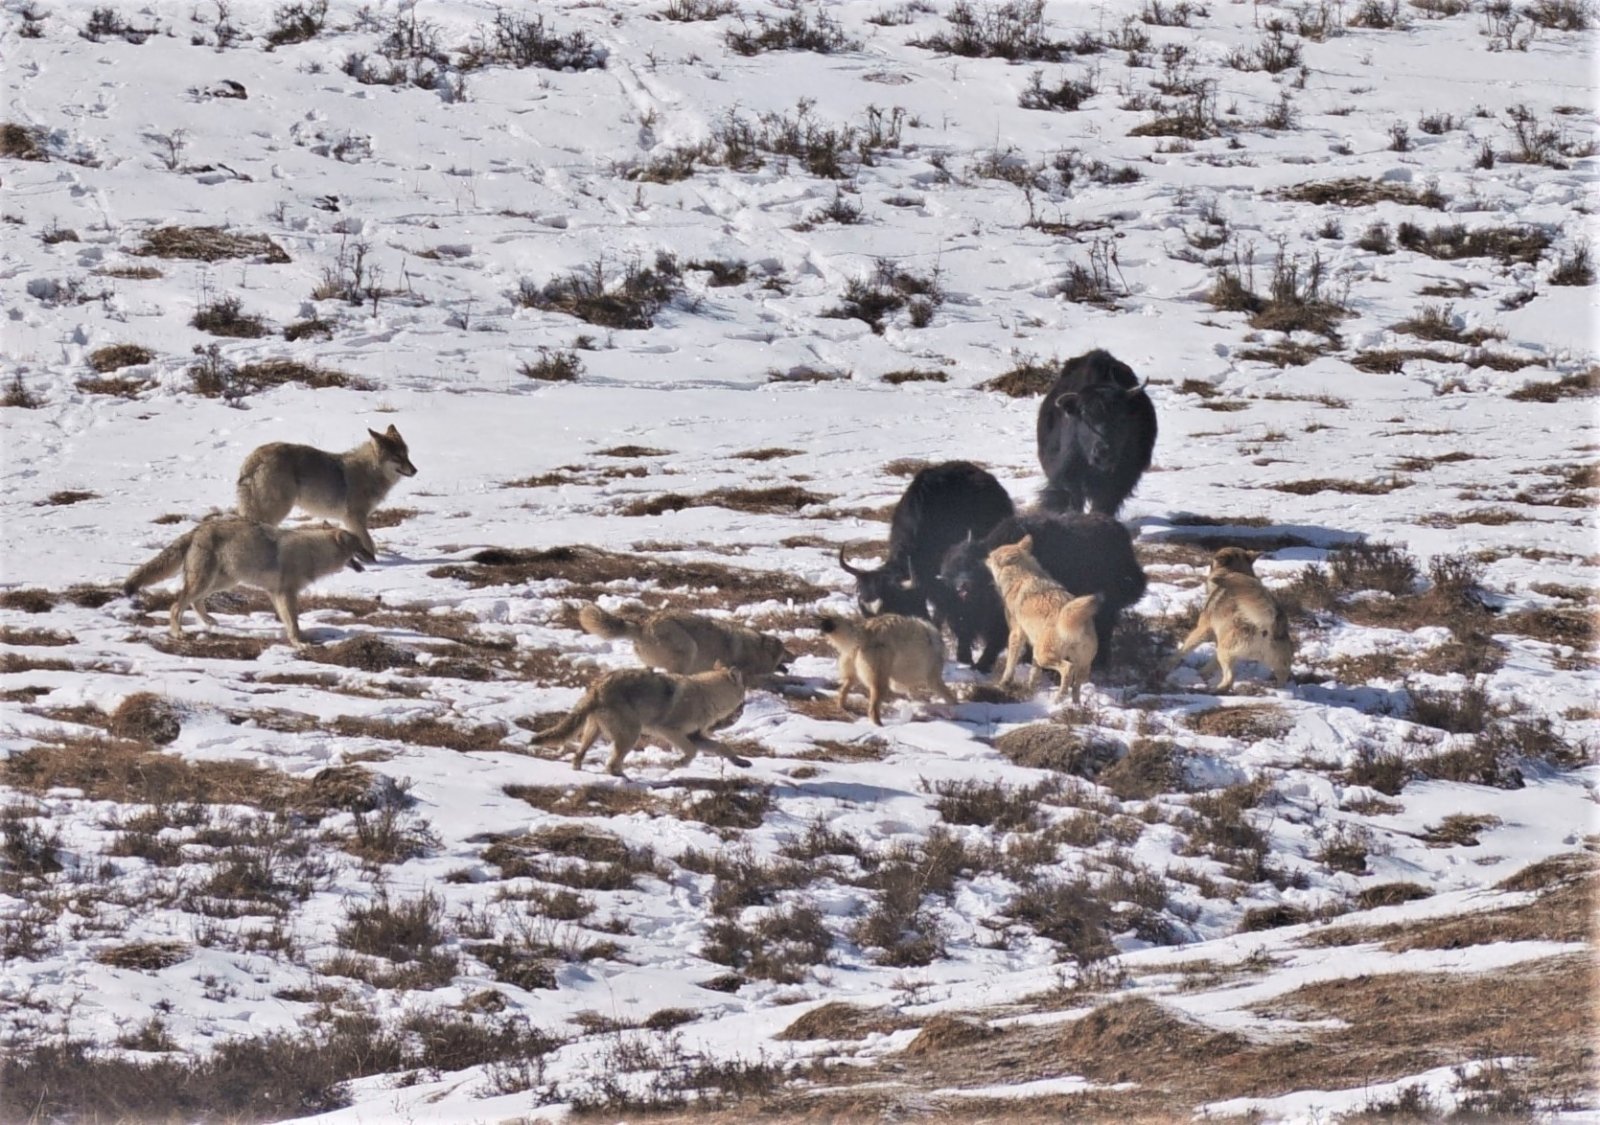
<point>891,648</point>
<point>634,701</point>
<point>1243,617</point>
<point>226,552</point>
<point>1041,611</point>
<point>276,478</point>
<point>676,640</point>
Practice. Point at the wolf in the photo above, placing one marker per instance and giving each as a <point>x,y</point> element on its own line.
<point>890,648</point>
<point>1245,620</point>
<point>632,701</point>
<point>278,477</point>
<point>684,643</point>
<point>227,551</point>
<point>1042,612</point>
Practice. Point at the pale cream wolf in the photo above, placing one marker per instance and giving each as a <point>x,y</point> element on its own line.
<point>1243,618</point>
<point>676,640</point>
<point>344,486</point>
<point>890,648</point>
<point>633,701</point>
<point>1044,614</point>
<point>226,552</point>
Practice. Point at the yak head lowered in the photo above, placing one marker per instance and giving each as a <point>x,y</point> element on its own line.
<point>887,589</point>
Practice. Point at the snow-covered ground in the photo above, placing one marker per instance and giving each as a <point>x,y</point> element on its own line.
<point>437,206</point>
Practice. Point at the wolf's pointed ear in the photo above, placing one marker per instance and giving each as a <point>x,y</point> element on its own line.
<point>719,666</point>
<point>392,432</point>
<point>377,438</point>
<point>1026,543</point>
<point>1067,403</point>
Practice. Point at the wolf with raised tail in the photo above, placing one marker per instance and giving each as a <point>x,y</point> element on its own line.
<point>226,552</point>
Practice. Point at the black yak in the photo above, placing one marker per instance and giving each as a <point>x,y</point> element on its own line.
<point>1096,430</point>
<point>1088,554</point>
<point>943,505</point>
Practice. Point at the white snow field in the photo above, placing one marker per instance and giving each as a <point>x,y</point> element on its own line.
<point>669,299</point>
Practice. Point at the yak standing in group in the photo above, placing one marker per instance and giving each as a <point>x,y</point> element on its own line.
<point>1097,428</point>
<point>1088,554</point>
<point>944,504</point>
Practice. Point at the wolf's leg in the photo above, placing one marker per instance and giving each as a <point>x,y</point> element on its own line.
<point>357,526</point>
<point>591,731</point>
<point>1226,661</point>
<point>288,609</point>
<point>624,737</point>
<point>1013,651</point>
<point>847,678</point>
<point>877,688</point>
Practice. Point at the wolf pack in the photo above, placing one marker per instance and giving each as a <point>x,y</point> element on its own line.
<point>1045,585</point>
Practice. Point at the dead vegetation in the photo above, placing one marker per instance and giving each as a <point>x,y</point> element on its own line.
<point>587,571</point>
<point>1358,192</point>
<point>209,244</point>
<point>776,500</point>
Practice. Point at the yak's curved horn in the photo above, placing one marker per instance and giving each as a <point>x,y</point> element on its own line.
<point>848,569</point>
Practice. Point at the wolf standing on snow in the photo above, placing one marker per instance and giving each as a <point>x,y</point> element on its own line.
<point>226,552</point>
<point>345,486</point>
<point>1246,621</point>
<point>630,702</point>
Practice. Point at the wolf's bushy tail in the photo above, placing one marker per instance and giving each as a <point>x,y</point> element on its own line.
<point>597,622</point>
<point>163,566</point>
<point>567,727</point>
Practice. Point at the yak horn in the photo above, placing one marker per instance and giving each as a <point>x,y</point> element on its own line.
<point>857,571</point>
<point>1139,390</point>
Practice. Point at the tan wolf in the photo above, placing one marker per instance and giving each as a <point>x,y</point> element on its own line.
<point>1245,620</point>
<point>890,648</point>
<point>276,478</point>
<point>631,702</point>
<point>676,640</point>
<point>227,551</point>
<point>1043,613</point>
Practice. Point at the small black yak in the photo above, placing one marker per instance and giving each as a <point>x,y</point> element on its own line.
<point>1088,554</point>
<point>1096,430</point>
<point>942,506</point>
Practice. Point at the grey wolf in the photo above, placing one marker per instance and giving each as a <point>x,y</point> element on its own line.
<point>345,486</point>
<point>1088,554</point>
<point>891,648</point>
<point>1096,429</point>
<point>1243,618</point>
<point>226,552</point>
<point>1059,626</point>
<point>630,702</point>
<point>678,641</point>
<point>942,505</point>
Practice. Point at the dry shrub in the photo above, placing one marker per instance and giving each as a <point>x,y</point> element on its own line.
<point>145,956</point>
<point>367,653</point>
<point>28,600</point>
<point>1453,241</point>
<point>1357,192</point>
<point>572,855</point>
<point>840,1021</point>
<point>1056,746</point>
<point>1073,913</point>
<point>729,804</point>
<point>1391,894</point>
<point>771,453</point>
<point>991,804</point>
<point>587,570</point>
<point>1580,384</point>
<point>146,717</point>
<point>1250,722</point>
<point>1148,769</point>
<point>122,387</point>
<point>116,356</point>
<point>776,500</point>
<point>209,244</point>
<point>424,730</point>
<point>914,375</point>
<point>948,1033</point>
<point>780,946</point>
<point>1024,380</point>
<point>596,799</point>
<point>23,142</point>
